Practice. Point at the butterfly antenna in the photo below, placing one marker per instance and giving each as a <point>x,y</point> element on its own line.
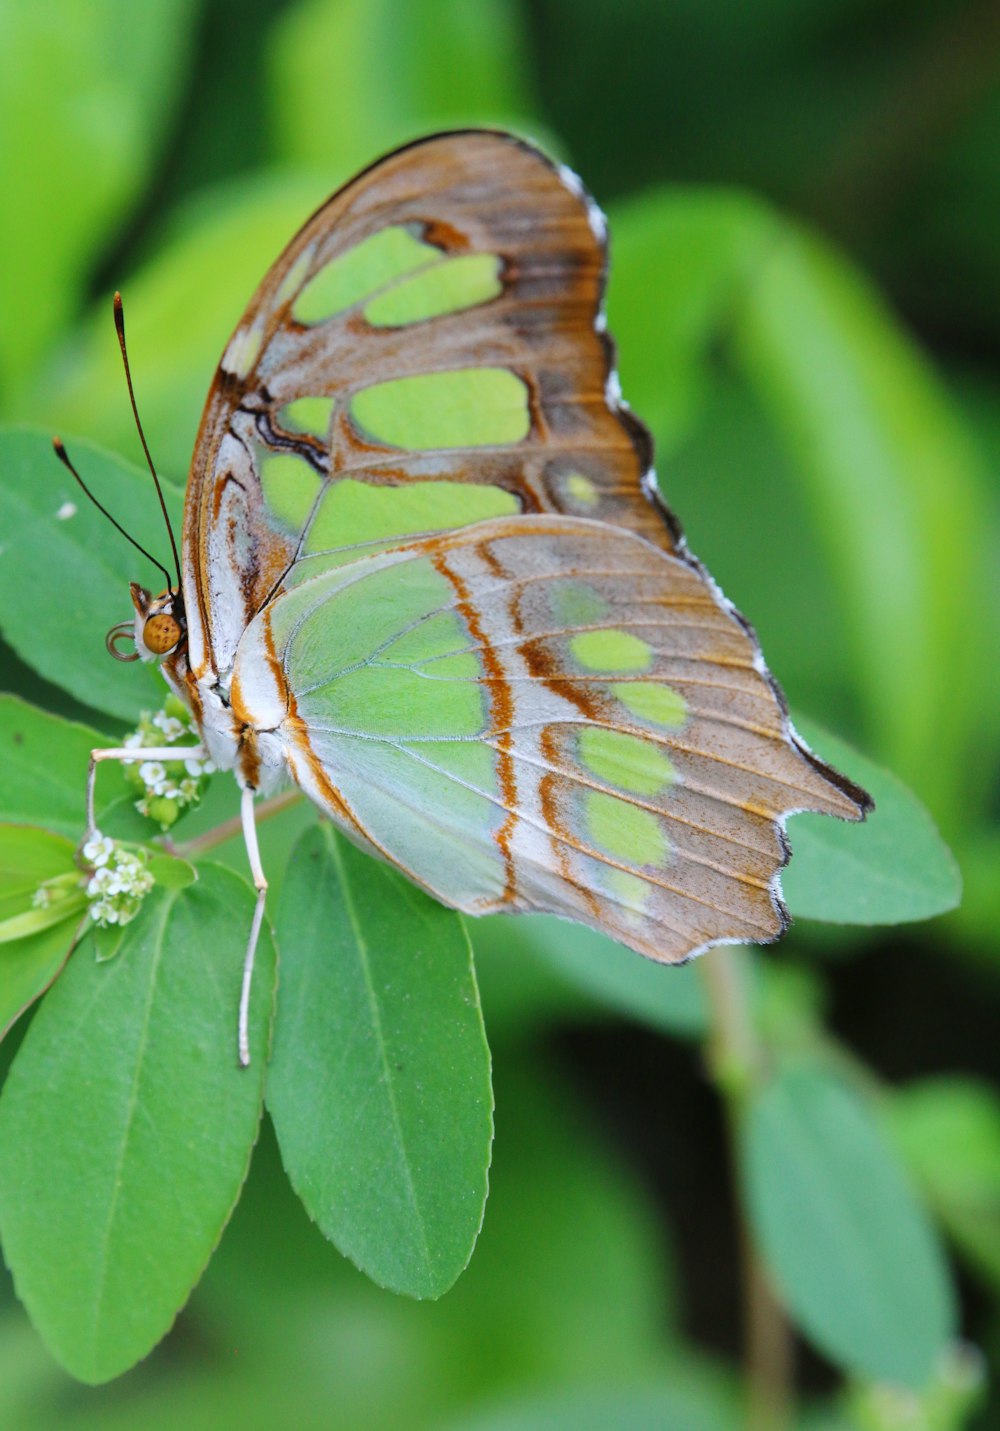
<point>63,455</point>
<point>120,329</point>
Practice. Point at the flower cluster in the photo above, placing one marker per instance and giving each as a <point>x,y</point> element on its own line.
<point>120,880</point>
<point>167,787</point>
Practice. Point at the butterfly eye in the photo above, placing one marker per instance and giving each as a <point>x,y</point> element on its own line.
<point>161,633</point>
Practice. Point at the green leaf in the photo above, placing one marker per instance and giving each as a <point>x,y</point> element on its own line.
<point>948,1130</point>
<point>66,570</point>
<point>354,78</point>
<point>127,1125</point>
<point>29,961</point>
<point>898,496</point>
<point>27,857</point>
<point>44,760</point>
<point>682,260</point>
<point>89,99</point>
<point>28,967</point>
<point>892,868</point>
<point>663,997</point>
<point>380,1083</point>
<point>171,872</point>
<point>682,1402</point>
<point>849,1246</point>
<point>213,253</point>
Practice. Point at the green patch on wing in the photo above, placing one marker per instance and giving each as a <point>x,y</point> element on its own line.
<point>629,891</point>
<point>309,414</point>
<point>624,831</point>
<point>362,272</point>
<point>446,287</point>
<point>652,701</point>
<point>627,761</point>
<point>580,491</point>
<point>338,634</point>
<point>574,603</point>
<point>611,650</point>
<point>340,618</point>
<point>354,513</point>
<point>290,487</point>
<point>440,645</point>
<point>467,407</point>
<point>395,703</point>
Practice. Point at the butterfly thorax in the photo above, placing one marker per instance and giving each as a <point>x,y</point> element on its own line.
<point>160,634</point>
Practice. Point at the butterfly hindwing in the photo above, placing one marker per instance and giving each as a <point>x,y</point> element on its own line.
<point>541,714</point>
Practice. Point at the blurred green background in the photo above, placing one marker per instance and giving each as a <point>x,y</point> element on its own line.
<point>805,212</point>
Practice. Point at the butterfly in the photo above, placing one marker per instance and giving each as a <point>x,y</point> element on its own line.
<point>426,573</point>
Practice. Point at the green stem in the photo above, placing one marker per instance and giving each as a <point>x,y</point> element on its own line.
<point>737,1065</point>
<point>229,829</point>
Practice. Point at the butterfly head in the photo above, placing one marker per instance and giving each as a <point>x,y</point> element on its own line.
<point>157,629</point>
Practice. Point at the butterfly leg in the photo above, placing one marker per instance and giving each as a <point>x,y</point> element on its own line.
<point>260,884</point>
<point>133,752</point>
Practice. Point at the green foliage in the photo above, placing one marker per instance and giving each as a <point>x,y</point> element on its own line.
<point>142,1140</point>
<point>949,1131</point>
<point>895,868</point>
<point>380,1083</point>
<point>848,1244</point>
<point>83,555</point>
<point>828,472</point>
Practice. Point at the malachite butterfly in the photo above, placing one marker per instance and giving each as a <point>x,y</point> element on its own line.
<point>427,574</point>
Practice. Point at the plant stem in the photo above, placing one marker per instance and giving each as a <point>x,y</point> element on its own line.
<point>229,829</point>
<point>736,1061</point>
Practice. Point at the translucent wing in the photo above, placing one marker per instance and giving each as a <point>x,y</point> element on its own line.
<point>542,713</point>
<point>428,351</point>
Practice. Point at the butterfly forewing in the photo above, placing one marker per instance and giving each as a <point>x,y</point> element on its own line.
<point>434,327</point>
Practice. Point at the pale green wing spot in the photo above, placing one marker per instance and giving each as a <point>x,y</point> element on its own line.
<point>391,704</point>
<point>574,603</point>
<point>308,414</point>
<point>581,491</point>
<point>468,407</point>
<point>627,761</point>
<point>243,350</point>
<point>355,512</point>
<point>335,628</point>
<point>416,798</point>
<point>471,763</point>
<point>361,272</point>
<point>447,287</point>
<point>290,487</point>
<point>354,681</point>
<point>631,892</point>
<point>295,276</point>
<point>649,700</point>
<point>611,651</point>
<point>624,831</point>
<point>440,636</point>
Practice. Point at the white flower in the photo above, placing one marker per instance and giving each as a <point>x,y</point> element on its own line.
<point>117,888</point>
<point>132,741</point>
<point>98,849</point>
<point>153,776</point>
<point>170,727</point>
